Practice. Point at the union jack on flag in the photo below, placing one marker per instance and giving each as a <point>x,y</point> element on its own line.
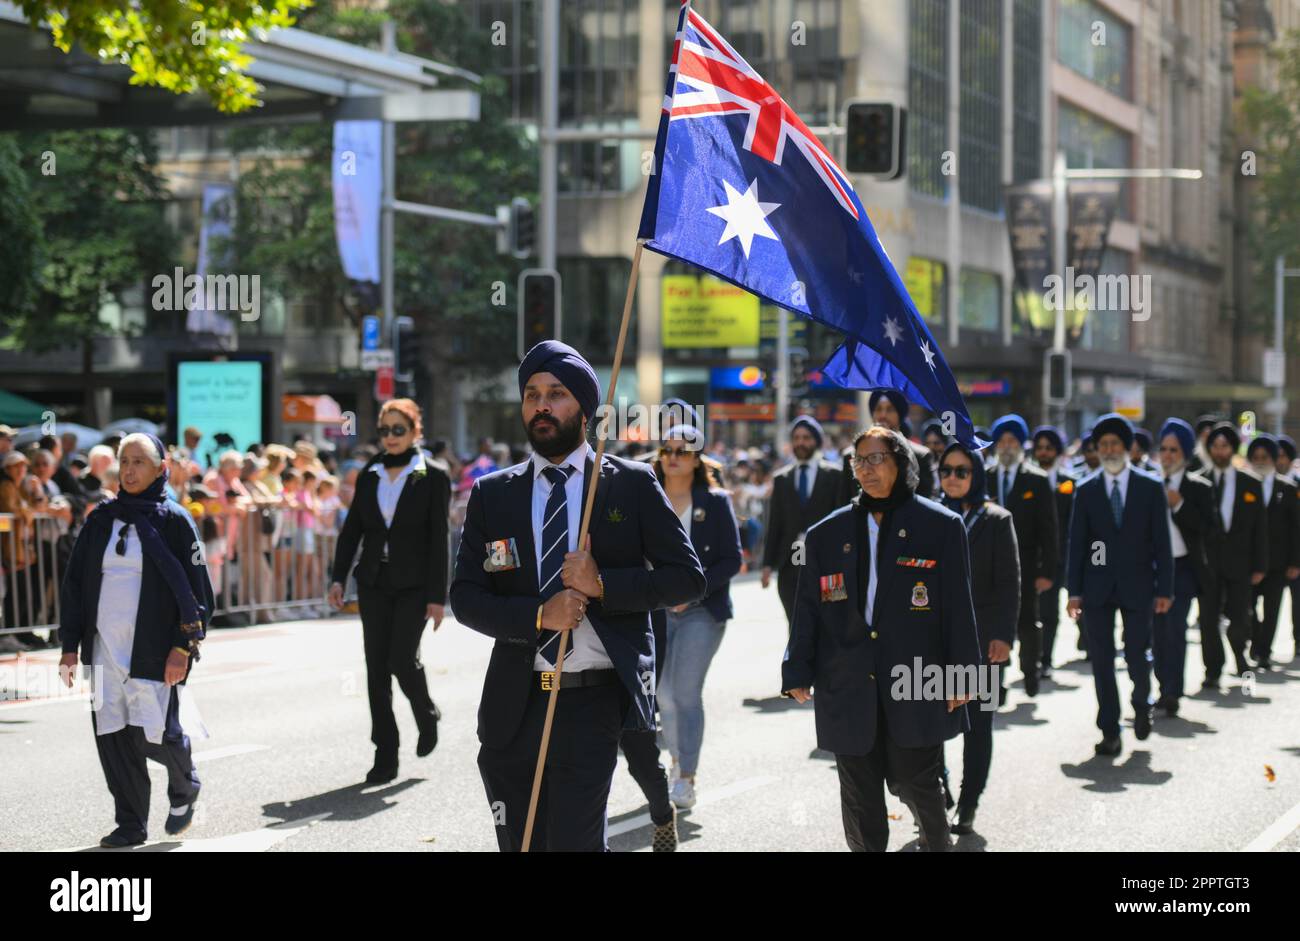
<point>743,189</point>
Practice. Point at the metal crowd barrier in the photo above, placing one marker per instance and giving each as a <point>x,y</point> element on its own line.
<point>29,554</point>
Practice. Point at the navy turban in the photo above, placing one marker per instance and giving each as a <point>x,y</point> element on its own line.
<point>896,398</point>
<point>1183,432</point>
<point>1228,430</point>
<point>1012,423</point>
<point>1286,444</point>
<point>1113,423</point>
<point>1053,436</point>
<point>566,364</point>
<point>811,424</point>
<point>1143,439</point>
<point>1265,441</point>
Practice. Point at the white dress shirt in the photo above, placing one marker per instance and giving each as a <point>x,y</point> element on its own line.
<point>585,652</point>
<point>1229,478</point>
<point>1268,486</point>
<point>1175,483</point>
<point>390,491</point>
<point>873,538</point>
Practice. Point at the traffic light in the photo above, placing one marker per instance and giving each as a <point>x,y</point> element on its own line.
<point>539,307</point>
<point>875,139</point>
<point>523,227</point>
<point>1056,377</point>
<point>406,350</point>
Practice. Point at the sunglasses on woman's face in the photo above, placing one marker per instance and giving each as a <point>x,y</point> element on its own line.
<point>674,452</point>
<point>121,539</point>
<point>395,431</point>
<point>950,470</point>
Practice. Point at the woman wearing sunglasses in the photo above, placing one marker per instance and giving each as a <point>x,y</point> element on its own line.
<point>694,631</point>
<point>995,589</point>
<point>137,600</point>
<point>399,515</point>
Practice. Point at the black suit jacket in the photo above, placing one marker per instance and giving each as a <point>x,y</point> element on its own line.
<point>1242,550</point>
<point>1063,493</point>
<point>632,522</point>
<point>1283,525</point>
<point>994,575</point>
<point>716,540</point>
<point>920,612</point>
<point>787,518</point>
<point>418,546</point>
<point>927,482</point>
<point>1033,507</point>
<point>1194,519</point>
<point>1135,563</point>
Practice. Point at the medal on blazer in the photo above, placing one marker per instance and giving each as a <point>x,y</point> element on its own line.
<point>502,556</point>
<point>920,597</point>
<point>832,587</point>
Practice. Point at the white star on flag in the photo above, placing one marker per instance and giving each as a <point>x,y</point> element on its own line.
<point>893,331</point>
<point>928,354</point>
<point>746,217</point>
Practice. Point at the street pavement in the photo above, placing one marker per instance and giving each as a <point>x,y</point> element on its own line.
<point>286,708</point>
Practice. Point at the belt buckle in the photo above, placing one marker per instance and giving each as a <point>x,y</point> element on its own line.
<point>547,677</point>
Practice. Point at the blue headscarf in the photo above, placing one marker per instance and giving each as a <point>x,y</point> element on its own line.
<point>977,493</point>
<point>1184,434</point>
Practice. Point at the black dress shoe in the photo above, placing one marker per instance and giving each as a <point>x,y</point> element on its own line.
<point>1044,673</point>
<point>120,838</point>
<point>428,739</point>
<point>965,821</point>
<point>1170,706</point>
<point>1263,664</point>
<point>1031,683</point>
<point>1110,747</point>
<point>1142,723</point>
<point>179,823</point>
<point>1211,684</point>
<point>383,771</point>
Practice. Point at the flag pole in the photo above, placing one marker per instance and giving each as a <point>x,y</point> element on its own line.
<point>584,541</point>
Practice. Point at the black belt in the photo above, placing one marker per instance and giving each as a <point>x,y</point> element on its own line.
<point>576,678</point>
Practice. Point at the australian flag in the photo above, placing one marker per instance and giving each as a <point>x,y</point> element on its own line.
<point>742,189</point>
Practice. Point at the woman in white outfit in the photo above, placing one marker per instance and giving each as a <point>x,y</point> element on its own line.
<point>136,599</point>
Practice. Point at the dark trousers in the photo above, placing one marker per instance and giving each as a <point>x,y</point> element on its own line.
<point>787,581</point>
<point>580,763</point>
<point>1169,633</point>
<point>1028,629</point>
<point>392,622</point>
<point>1294,585</point>
<point>916,775</point>
<point>1101,653</point>
<point>1270,589</point>
<point>641,750</point>
<point>1230,597</point>
<point>1049,614</point>
<point>122,755</point>
<point>977,746</point>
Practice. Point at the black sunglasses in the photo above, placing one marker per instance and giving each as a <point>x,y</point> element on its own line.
<point>395,431</point>
<point>948,470</point>
<point>121,539</point>
<point>674,452</point>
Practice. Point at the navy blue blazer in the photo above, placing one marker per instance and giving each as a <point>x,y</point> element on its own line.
<point>716,540</point>
<point>158,619</point>
<point>920,612</point>
<point>632,522</point>
<point>1137,565</point>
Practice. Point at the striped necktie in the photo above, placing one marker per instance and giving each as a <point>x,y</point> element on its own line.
<point>555,543</point>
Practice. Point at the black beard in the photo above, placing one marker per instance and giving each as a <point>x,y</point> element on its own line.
<point>567,437</point>
<point>802,453</point>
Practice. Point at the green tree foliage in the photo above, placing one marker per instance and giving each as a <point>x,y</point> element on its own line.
<point>181,45</point>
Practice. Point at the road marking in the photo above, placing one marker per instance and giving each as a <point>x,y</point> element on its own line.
<point>1279,831</point>
<point>250,841</point>
<point>705,798</point>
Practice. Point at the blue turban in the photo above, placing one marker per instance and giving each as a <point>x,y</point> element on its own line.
<point>1113,423</point>
<point>1267,442</point>
<point>1143,439</point>
<point>895,397</point>
<point>1012,423</point>
<point>811,424</point>
<point>1052,434</point>
<point>566,364</point>
<point>1183,432</point>
<point>1286,444</point>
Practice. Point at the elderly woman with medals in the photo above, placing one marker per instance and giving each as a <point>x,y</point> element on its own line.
<point>136,600</point>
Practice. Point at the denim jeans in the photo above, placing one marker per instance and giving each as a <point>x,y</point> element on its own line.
<point>693,639</point>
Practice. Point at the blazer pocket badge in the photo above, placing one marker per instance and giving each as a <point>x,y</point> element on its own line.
<point>916,563</point>
<point>920,597</point>
<point>615,515</point>
<point>502,556</point>
<point>832,587</point>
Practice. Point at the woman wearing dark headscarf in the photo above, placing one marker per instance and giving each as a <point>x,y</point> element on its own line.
<point>137,600</point>
<point>995,589</point>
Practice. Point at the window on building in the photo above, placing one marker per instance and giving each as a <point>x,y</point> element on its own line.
<point>1091,143</point>
<point>592,291</point>
<point>979,300</point>
<point>1108,330</point>
<point>926,281</point>
<point>1027,95</point>
<point>1096,44</point>
<point>980,162</point>
<point>927,95</point>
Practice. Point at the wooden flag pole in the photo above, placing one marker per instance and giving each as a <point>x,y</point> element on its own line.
<point>584,541</point>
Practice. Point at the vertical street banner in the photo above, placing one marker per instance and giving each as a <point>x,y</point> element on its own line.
<point>1029,224</point>
<point>357,173</point>
<point>217,223</point>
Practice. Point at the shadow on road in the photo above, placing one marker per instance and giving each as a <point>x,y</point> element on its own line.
<point>1022,714</point>
<point>774,704</point>
<point>641,837</point>
<point>354,802</point>
<point>1109,778</point>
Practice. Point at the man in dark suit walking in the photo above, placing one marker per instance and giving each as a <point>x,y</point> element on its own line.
<point>802,493</point>
<point>1191,508</point>
<point>1023,489</point>
<point>1119,559</point>
<point>1283,545</point>
<point>884,604</point>
<point>1237,549</point>
<point>889,407</point>
<point>522,579</point>
<point>1049,446</point>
